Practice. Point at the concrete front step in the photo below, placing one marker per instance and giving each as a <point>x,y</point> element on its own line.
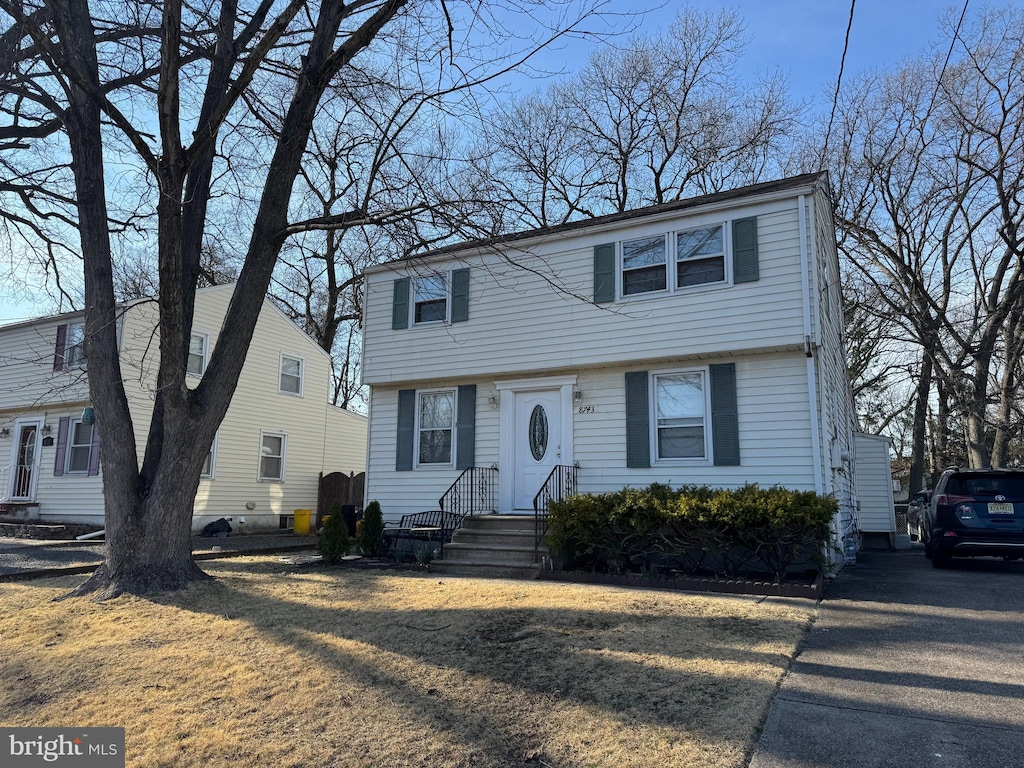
<point>506,537</point>
<point>499,522</point>
<point>484,570</point>
<point>489,552</point>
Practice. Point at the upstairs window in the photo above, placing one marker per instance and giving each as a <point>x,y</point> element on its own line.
<point>700,256</point>
<point>74,346</point>
<point>291,375</point>
<point>430,304</point>
<point>644,265</point>
<point>197,354</point>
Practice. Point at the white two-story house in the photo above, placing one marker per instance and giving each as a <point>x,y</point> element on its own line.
<point>697,341</point>
<point>278,435</point>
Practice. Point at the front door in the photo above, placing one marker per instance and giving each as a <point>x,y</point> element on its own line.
<point>23,469</point>
<point>538,442</point>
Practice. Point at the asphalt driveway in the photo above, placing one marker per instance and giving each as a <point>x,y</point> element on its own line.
<point>907,666</point>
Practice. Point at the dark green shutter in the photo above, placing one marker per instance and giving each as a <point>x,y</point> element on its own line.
<point>725,425</point>
<point>638,420</point>
<point>400,304</point>
<point>744,250</point>
<point>406,429</point>
<point>604,273</point>
<point>460,295</point>
<point>465,446</point>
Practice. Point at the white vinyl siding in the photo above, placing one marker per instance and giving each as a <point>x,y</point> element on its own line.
<point>273,448</point>
<point>775,437</point>
<point>290,382</point>
<point>197,350</point>
<point>556,329</point>
<point>77,451</point>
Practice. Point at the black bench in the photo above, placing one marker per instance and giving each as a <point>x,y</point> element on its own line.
<point>428,527</point>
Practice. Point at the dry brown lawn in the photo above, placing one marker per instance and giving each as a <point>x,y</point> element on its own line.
<point>276,665</point>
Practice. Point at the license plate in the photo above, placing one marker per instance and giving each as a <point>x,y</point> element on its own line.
<point>1000,508</point>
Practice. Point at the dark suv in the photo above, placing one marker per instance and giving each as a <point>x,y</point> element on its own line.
<point>975,512</point>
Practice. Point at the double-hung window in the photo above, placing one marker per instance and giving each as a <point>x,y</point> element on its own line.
<point>74,346</point>
<point>210,461</point>
<point>671,262</point>
<point>435,428</point>
<point>680,415</point>
<point>700,256</point>
<point>644,265</point>
<point>291,375</point>
<point>197,354</point>
<point>430,299</point>
<point>272,453</point>
<point>79,443</point>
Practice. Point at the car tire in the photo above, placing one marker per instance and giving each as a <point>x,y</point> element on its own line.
<point>928,549</point>
<point>941,560</point>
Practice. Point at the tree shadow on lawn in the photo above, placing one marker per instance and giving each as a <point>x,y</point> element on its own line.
<point>510,682</point>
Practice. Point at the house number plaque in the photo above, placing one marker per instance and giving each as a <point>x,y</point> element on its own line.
<point>581,409</point>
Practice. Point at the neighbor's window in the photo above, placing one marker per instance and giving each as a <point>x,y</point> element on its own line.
<point>435,429</point>
<point>700,256</point>
<point>643,265</point>
<point>197,354</point>
<point>272,448</point>
<point>291,375</point>
<point>210,461</point>
<point>431,299</point>
<point>680,414</point>
<point>74,346</point>
<point>79,440</point>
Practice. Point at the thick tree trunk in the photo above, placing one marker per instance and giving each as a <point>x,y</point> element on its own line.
<point>975,418</point>
<point>924,386</point>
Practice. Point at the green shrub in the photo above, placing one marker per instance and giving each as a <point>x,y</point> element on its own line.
<point>692,528</point>
<point>372,532</point>
<point>333,543</point>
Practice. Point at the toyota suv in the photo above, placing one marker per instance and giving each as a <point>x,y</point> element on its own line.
<point>975,512</point>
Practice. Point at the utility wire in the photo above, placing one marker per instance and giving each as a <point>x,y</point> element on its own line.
<point>839,80</point>
<point>949,54</point>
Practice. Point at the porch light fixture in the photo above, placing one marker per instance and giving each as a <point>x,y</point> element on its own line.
<point>47,429</point>
<point>577,395</point>
<point>5,432</point>
<point>492,399</point>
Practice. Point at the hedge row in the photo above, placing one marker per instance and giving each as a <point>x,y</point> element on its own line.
<point>695,529</point>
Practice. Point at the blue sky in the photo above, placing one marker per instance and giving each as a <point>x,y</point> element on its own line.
<point>802,38</point>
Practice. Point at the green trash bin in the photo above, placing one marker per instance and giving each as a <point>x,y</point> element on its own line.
<point>300,525</point>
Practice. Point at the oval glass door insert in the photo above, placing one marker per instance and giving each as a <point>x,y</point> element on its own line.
<point>538,432</point>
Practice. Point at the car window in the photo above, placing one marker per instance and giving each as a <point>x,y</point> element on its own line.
<point>986,485</point>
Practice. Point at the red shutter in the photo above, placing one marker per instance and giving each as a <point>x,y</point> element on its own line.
<point>58,349</point>
<point>62,445</point>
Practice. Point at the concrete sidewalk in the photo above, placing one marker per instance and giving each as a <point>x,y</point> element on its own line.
<point>907,666</point>
<point>29,558</point>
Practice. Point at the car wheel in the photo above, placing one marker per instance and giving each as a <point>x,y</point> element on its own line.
<point>941,561</point>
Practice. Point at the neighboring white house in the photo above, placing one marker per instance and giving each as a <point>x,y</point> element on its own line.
<point>697,341</point>
<point>278,435</point>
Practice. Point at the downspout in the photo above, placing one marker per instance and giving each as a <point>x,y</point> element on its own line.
<point>812,381</point>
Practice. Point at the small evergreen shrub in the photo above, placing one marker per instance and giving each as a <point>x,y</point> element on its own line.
<point>333,543</point>
<point>372,531</point>
<point>693,529</point>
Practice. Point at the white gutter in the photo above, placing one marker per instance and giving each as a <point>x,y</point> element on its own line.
<point>812,379</point>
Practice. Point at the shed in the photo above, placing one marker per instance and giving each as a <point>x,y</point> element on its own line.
<point>873,476</point>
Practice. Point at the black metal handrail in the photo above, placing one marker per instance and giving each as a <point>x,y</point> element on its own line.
<point>475,490</point>
<point>561,484</point>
